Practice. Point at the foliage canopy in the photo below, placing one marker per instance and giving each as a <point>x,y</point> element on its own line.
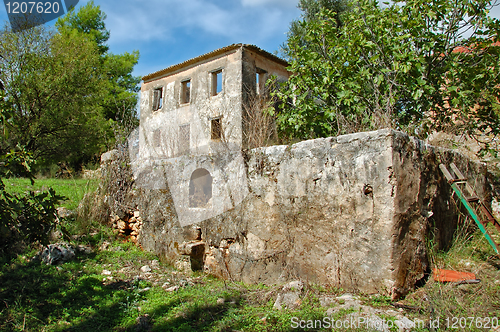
<point>120,98</point>
<point>53,83</point>
<point>416,65</point>
<point>23,218</point>
<point>70,95</point>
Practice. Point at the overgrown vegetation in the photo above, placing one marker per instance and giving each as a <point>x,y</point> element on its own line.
<point>28,218</point>
<point>105,290</point>
<point>71,98</point>
<point>415,65</point>
<point>64,99</point>
<point>258,123</point>
<point>470,252</point>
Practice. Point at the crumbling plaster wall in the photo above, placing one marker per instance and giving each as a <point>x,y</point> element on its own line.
<point>202,107</point>
<point>161,163</point>
<point>352,211</point>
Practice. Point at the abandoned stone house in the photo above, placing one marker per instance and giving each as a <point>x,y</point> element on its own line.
<point>353,211</point>
<point>192,127</point>
<point>190,107</point>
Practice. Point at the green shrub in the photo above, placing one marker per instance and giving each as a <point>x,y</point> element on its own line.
<point>24,218</point>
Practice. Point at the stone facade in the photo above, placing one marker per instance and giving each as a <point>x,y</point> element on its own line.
<point>220,83</point>
<point>353,211</point>
<point>192,130</point>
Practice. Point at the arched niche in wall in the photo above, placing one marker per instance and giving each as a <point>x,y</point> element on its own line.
<point>200,188</point>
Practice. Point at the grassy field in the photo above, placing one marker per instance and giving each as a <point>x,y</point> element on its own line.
<point>72,189</point>
<point>104,289</point>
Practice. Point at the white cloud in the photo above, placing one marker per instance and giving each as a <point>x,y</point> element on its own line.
<point>162,20</point>
<point>199,14</point>
<point>280,3</point>
<point>170,31</point>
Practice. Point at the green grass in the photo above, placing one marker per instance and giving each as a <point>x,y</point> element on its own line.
<point>77,296</point>
<point>72,189</point>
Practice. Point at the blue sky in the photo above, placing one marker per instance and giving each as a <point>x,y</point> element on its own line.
<point>167,32</point>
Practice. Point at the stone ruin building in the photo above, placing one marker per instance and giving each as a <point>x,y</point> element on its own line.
<point>192,128</point>
<point>353,211</point>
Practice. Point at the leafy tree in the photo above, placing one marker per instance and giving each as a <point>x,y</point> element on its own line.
<point>415,65</point>
<point>29,218</point>
<point>90,21</point>
<point>311,9</point>
<point>71,96</point>
<point>53,82</point>
<point>120,102</point>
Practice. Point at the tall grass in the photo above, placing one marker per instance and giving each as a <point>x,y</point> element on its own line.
<point>72,189</point>
<point>470,252</point>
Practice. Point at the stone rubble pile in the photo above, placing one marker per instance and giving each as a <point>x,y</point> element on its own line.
<point>129,226</point>
<point>59,253</point>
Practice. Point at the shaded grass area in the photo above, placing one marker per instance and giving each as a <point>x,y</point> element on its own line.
<point>105,290</point>
<point>37,297</point>
<point>77,296</point>
<point>72,189</point>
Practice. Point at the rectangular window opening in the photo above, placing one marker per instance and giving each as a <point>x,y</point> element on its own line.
<point>157,99</point>
<point>184,138</point>
<point>216,128</point>
<point>260,81</point>
<point>186,92</point>
<point>216,82</point>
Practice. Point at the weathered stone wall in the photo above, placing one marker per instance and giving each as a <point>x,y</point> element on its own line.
<point>352,211</point>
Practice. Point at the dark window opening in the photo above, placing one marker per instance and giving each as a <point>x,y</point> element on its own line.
<point>186,92</point>
<point>184,138</point>
<point>216,82</point>
<point>200,188</point>
<point>216,128</point>
<point>157,99</point>
<point>260,81</point>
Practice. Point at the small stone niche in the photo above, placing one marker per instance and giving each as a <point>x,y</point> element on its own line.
<point>200,189</point>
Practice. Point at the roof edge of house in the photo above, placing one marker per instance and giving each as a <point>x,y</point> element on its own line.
<point>213,54</point>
